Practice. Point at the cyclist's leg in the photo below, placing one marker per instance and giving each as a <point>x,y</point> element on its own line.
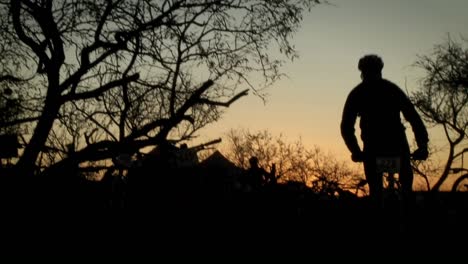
<point>374,180</point>
<point>406,182</point>
<point>406,177</point>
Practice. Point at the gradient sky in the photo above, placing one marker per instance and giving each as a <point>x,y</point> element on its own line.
<point>331,40</point>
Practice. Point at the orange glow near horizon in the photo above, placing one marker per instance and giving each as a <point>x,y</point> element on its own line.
<point>308,103</point>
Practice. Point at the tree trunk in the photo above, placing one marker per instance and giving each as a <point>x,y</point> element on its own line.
<point>27,163</point>
<point>446,171</point>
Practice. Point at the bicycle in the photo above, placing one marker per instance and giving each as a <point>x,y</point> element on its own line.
<point>395,202</point>
<point>389,168</point>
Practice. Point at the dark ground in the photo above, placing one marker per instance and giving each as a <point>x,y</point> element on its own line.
<point>213,225</point>
<point>39,218</point>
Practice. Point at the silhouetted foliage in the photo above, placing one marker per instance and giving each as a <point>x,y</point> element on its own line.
<point>294,162</point>
<point>111,77</point>
<point>10,111</point>
<point>442,97</point>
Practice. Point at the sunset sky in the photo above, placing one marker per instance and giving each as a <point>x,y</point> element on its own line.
<point>332,38</point>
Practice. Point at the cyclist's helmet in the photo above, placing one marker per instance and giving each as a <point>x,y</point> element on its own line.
<point>370,62</point>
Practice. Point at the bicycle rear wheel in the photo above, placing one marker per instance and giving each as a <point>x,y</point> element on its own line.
<point>392,195</point>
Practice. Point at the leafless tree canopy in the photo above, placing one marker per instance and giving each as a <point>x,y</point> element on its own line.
<point>442,97</point>
<point>294,162</point>
<point>102,74</point>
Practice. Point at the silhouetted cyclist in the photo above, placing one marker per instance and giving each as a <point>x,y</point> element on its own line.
<point>378,103</point>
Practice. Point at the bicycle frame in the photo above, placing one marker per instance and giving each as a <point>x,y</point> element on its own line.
<point>388,167</point>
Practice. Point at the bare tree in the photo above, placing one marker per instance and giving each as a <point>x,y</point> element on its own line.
<point>294,162</point>
<point>106,76</point>
<point>442,97</point>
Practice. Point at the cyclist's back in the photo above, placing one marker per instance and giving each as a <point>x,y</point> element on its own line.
<point>378,103</point>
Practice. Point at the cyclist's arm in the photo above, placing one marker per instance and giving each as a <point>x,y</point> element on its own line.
<point>412,116</point>
<point>348,120</point>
